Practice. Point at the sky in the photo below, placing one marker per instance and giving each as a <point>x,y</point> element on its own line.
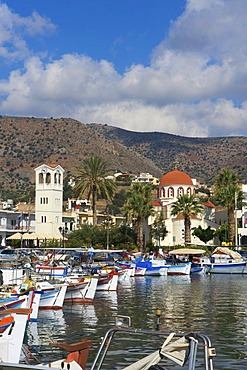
<point>173,66</point>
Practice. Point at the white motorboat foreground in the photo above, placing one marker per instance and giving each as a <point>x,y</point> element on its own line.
<point>12,338</point>
<point>161,350</point>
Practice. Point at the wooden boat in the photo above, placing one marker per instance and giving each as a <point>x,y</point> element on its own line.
<point>5,322</point>
<point>188,255</point>
<point>108,283</point>
<point>179,269</point>
<point>12,274</point>
<point>51,297</point>
<point>12,337</point>
<point>140,271</point>
<point>154,267</point>
<point>77,358</point>
<point>80,290</point>
<point>12,302</point>
<point>51,271</point>
<point>136,271</point>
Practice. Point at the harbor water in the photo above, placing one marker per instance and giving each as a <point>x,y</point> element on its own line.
<point>215,305</point>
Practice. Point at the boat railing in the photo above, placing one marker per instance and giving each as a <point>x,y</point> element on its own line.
<point>160,347</point>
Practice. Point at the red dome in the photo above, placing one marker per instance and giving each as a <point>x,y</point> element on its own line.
<point>176,177</point>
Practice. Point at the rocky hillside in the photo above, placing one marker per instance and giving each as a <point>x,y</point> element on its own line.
<point>27,142</point>
<point>201,158</point>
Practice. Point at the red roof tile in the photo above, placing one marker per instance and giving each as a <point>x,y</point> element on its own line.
<point>176,177</point>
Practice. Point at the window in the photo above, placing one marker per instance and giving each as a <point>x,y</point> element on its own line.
<point>41,178</point>
<point>189,192</point>
<point>170,193</point>
<point>180,192</point>
<point>43,219</point>
<point>48,178</point>
<point>162,193</point>
<point>57,178</point>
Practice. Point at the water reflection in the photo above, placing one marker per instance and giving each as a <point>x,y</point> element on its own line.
<point>210,304</point>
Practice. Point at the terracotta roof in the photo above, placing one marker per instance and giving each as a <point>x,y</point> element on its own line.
<point>209,204</point>
<point>156,203</point>
<point>176,177</point>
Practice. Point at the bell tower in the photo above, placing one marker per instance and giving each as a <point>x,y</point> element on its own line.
<point>48,199</point>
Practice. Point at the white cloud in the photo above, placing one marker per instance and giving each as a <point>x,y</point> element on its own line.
<point>14,29</point>
<point>196,84</point>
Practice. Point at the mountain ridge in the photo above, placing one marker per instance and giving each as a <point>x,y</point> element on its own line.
<point>26,142</point>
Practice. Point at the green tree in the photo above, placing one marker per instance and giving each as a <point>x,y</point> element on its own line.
<point>122,236</point>
<point>91,181</point>
<point>222,233</point>
<point>87,235</point>
<point>186,206</point>
<point>67,189</point>
<point>204,234</point>
<point>159,230</point>
<point>138,207</point>
<point>117,203</point>
<point>228,193</point>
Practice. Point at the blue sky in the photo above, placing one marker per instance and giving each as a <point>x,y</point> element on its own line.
<point>175,66</point>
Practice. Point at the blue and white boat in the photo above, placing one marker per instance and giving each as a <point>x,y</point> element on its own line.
<point>154,267</point>
<point>224,261</point>
<point>180,269</point>
<point>189,258</point>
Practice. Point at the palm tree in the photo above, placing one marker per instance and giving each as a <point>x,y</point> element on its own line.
<point>91,181</point>
<point>138,207</point>
<point>186,206</point>
<point>228,193</point>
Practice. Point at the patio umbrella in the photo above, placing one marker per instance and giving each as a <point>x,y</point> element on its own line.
<point>16,236</point>
<point>29,236</point>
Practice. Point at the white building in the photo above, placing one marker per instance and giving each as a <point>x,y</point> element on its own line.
<point>48,199</point>
<point>171,186</point>
<point>146,178</point>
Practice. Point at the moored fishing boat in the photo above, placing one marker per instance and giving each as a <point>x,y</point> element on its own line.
<point>52,297</point>
<point>223,261</point>
<point>187,255</point>
<point>179,269</point>
<point>154,267</point>
<point>108,283</point>
<point>80,290</point>
<point>51,271</point>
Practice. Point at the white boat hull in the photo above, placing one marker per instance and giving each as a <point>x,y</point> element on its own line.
<point>182,269</point>
<point>227,268</point>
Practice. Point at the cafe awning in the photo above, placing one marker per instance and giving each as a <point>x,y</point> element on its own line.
<point>187,251</point>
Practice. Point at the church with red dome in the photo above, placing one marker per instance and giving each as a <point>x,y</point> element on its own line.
<point>174,184</point>
<point>171,186</point>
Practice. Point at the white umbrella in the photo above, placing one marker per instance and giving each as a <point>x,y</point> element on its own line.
<point>16,236</point>
<point>29,236</point>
